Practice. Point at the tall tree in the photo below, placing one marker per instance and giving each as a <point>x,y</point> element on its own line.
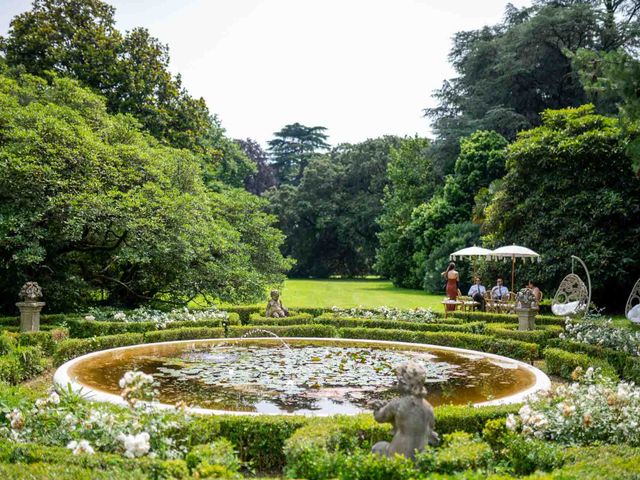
<point>293,148</point>
<point>78,38</point>
<point>88,202</point>
<point>570,190</point>
<point>411,183</point>
<point>330,218</point>
<point>509,73</point>
<point>263,177</point>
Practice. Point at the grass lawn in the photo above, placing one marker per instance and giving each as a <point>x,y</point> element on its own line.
<point>355,293</point>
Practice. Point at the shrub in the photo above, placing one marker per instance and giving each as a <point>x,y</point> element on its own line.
<point>177,334</point>
<point>42,339</point>
<point>460,451</point>
<point>75,347</point>
<point>504,318</point>
<point>539,336</point>
<point>510,348</point>
<point>297,318</point>
<point>244,311</point>
<point>21,363</point>
<point>526,455</point>
<point>7,343</point>
<point>311,330</point>
<point>219,453</point>
<point>563,363</point>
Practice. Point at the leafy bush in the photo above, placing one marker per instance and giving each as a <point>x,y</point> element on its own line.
<point>504,318</point>
<point>509,348</point>
<point>603,334</point>
<point>75,347</point>
<point>595,410</point>
<point>538,336</point>
<point>219,453</point>
<point>459,451</point>
<point>19,363</point>
<point>425,315</point>
<point>345,322</point>
<point>563,363</point>
<point>244,311</point>
<point>46,340</point>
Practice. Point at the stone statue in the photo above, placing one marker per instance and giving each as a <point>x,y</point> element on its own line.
<point>30,306</point>
<point>275,307</point>
<point>412,416</point>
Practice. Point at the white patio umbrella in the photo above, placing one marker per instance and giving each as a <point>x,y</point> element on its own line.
<point>513,252</point>
<point>470,252</point>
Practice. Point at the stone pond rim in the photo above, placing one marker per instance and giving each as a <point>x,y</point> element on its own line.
<point>63,378</point>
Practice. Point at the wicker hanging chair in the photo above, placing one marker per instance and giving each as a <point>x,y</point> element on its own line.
<point>632,310</point>
<point>573,295</point>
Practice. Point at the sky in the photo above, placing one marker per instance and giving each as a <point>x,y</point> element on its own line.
<point>360,68</point>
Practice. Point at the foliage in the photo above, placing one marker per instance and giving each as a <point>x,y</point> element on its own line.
<point>575,174</point>
<point>411,182</point>
<point>504,318</point>
<point>263,178</point>
<point>596,332</point>
<point>292,149</point>
<point>564,364</point>
<point>89,203</point>
<point>330,218</point>
<point>472,341</point>
<point>395,314</point>
<point>498,87</point>
<point>595,410</point>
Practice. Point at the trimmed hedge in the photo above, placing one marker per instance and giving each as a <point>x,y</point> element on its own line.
<point>116,465</point>
<point>485,343</point>
<point>627,366</point>
<point>562,363</point>
<point>504,318</point>
<point>437,320</point>
<point>80,328</point>
<point>244,311</point>
<point>344,322</point>
<point>317,449</point>
<point>540,335</point>
<point>74,347</point>
<point>49,319</point>
<point>297,318</point>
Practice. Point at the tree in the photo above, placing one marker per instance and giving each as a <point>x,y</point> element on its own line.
<point>481,161</point>
<point>263,177</point>
<point>330,218</point>
<point>91,205</point>
<point>78,38</point>
<point>570,190</point>
<point>411,182</point>
<point>509,73</point>
<point>293,148</point>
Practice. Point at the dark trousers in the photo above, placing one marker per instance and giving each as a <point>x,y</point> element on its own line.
<point>478,297</point>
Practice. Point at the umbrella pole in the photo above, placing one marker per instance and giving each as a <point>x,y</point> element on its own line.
<point>474,268</point>
<point>513,272</point>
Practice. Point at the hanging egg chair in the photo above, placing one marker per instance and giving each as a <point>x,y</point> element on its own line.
<point>632,310</point>
<point>573,295</point>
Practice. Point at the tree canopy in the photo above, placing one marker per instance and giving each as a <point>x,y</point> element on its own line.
<point>91,206</point>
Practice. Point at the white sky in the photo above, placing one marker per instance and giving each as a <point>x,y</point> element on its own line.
<point>361,68</point>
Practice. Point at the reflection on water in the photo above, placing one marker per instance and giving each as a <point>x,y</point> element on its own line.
<point>314,376</point>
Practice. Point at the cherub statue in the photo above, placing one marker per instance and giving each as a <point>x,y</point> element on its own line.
<point>275,307</point>
<point>412,416</point>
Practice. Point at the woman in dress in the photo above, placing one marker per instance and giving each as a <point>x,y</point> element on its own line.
<point>452,284</point>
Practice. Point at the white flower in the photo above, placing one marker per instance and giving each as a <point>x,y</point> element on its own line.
<point>135,445</point>
<point>120,316</point>
<point>54,398</point>
<point>525,413</point>
<point>80,447</point>
<point>16,419</point>
<point>90,318</point>
<point>511,422</point>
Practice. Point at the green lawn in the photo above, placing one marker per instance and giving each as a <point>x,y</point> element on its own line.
<point>354,293</point>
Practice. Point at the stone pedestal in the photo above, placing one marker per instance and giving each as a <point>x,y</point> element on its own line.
<point>30,315</point>
<point>526,318</point>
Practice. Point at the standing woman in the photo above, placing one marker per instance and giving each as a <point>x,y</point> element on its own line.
<point>452,284</point>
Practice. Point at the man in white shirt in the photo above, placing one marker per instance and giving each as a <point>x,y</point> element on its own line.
<point>499,292</point>
<point>477,292</point>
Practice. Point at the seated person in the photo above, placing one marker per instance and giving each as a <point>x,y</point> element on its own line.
<point>499,292</point>
<point>275,308</point>
<point>536,291</point>
<point>477,292</point>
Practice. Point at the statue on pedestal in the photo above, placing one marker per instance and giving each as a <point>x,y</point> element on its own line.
<point>30,306</point>
<point>275,307</point>
<point>411,415</point>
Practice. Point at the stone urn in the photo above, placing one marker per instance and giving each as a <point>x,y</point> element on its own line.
<point>526,309</point>
<point>30,306</point>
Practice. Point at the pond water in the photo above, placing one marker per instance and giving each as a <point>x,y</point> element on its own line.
<point>311,376</point>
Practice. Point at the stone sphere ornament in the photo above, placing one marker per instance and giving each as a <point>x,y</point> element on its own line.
<point>411,415</point>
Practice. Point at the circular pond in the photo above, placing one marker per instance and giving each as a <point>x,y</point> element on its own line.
<point>303,376</point>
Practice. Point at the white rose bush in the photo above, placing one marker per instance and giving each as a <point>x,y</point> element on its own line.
<point>594,409</point>
<point>424,315</point>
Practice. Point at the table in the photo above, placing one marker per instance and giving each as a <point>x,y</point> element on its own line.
<point>463,305</point>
